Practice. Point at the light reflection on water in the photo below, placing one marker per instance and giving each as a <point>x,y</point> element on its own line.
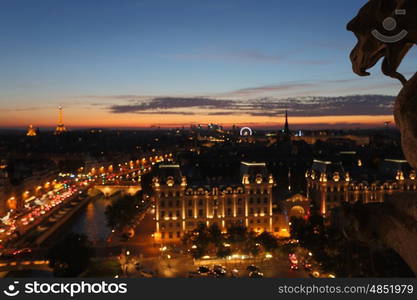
<point>91,221</point>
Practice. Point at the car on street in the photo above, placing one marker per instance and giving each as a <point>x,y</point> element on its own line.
<point>193,274</point>
<point>256,274</point>
<point>234,273</point>
<point>203,270</point>
<point>252,268</point>
<point>219,271</point>
<point>314,274</point>
<point>307,267</point>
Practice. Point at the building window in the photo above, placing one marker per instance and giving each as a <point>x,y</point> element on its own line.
<point>177,213</point>
<point>239,201</point>
<point>266,200</point>
<point>170,235</point>
<point>178,224</point>
<point>162,235</point>
<point>162,203</point>
<point>190,213</point>
<point>250,200</point>
<point>169,203</point>
<point>190,202</point>
<point>251,211</point>
<point>162,214</point>
<point>239,211</point>
<point>177,203</point>
<point>258,200</point>
<point>200,202</point>
<point>200,213</point>
<point>229,201</point>
<point>178,234</point>
<point>229,212</point>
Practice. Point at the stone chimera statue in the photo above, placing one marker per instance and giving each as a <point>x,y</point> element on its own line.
<point>388,29</point>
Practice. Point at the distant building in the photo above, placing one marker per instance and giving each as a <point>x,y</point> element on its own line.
<point>353,140</point>
<point>180,206</point>
<point>4,180</point>
<point>329,184</point>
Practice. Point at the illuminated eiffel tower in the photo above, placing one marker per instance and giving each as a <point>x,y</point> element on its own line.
<point>60,128</point>
<point>31,131</point>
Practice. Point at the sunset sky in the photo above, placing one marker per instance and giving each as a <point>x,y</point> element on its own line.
<point>176,62</point>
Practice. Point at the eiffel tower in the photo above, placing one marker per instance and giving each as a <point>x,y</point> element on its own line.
<point>60,128</point>
<point>31,131</point>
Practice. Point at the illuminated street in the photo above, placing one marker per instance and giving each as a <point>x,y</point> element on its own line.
<point>60,196</point>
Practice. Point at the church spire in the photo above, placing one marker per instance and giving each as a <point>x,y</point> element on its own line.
<point>286,133</point>
<point>286,127</point>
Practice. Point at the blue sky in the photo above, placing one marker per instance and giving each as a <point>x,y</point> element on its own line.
<point>81,53</point>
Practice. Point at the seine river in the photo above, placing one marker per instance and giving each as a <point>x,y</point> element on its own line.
<point>90,221</point>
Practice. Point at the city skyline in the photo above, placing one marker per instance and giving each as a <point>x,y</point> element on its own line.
<point>152,63</point>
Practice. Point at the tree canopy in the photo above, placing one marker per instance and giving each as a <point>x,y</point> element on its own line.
<point>71,256</point>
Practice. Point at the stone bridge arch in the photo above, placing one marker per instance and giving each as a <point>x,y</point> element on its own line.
<point>110,190</point>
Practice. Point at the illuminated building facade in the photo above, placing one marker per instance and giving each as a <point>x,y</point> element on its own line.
<point>329,184</point>
<point>180,206</point>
